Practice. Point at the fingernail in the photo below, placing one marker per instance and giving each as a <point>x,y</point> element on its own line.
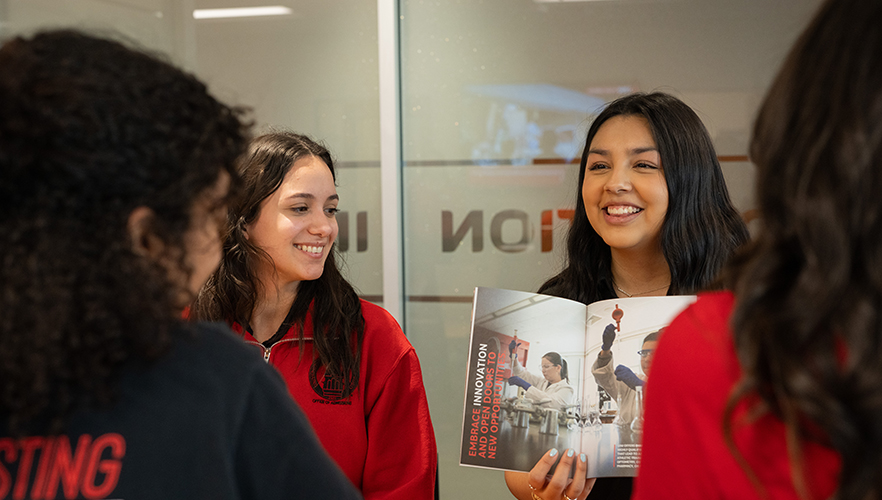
<point>553,452</point>
<point>570,453</point>
<point>583,458</point>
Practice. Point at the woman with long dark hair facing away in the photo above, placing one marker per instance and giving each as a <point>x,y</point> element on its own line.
<point>777,382</point>
<point>345,360</point>
<point>115,173</point>
<point>653,217</point>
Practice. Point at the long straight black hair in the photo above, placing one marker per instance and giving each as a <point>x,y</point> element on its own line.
<point>701,228</point>
<point>807,324</point>
<point>231,292</point>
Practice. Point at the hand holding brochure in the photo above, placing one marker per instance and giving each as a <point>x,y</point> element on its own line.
<point>519,402</point>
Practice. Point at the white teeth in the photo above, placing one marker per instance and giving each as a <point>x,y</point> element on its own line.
<point>310,249</point>
<point>622,210</point>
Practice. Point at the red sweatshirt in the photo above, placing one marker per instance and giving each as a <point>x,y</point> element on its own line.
<point>685,455</point>
<point>382,435</point>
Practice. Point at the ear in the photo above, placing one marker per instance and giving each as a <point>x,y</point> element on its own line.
<point>145,242</point>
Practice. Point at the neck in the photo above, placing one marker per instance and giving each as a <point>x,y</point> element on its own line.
<point>271,308</point>
<point>645,274</point>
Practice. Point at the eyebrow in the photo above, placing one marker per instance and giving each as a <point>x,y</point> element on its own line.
<point>634,151</point>
<point>308,196</point>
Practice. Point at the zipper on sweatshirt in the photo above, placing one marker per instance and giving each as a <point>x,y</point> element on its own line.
<point>267,351</point>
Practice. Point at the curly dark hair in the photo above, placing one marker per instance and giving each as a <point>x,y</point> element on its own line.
<point>701,228</point>
<point>91,130</point>
<point>807,324</point>
<point>230,294</point>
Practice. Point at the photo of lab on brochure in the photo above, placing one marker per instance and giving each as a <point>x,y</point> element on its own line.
<point>546,372</point>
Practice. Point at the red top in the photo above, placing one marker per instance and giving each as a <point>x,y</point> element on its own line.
<point>685,455</point>
<point>381,436</point>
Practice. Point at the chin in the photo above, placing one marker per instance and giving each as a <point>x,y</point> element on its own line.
<point>314,275</point>
<point>621,243</point>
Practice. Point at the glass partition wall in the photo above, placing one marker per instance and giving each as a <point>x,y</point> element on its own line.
<point>312,69</point>
<point>492,100</point>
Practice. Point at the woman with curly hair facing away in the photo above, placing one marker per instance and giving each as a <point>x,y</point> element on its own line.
<point>345,360</point>
<point>115,170</point>
<point>780,394</point>
<point>653,217</point>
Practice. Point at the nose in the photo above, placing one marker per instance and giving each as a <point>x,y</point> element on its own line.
<point>321,225</point>
<point>619,179</point>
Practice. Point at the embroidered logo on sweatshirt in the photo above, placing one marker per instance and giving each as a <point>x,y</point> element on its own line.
<point>330,390</point>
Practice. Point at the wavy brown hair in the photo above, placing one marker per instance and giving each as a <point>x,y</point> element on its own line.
<point>231,293</point>
<point>808,318</point>
<point>91,129</point>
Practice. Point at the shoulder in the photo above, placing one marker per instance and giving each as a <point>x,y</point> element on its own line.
<point>562,385</point>
<point>207,370</point>
<point>213,354</point>
<point>707,318</point>
<point>713,306</point>
<point>385,350</point>
<point>380,327</point>
<point>701,335</point>
<point>377,317</point>
<point>212,342</point>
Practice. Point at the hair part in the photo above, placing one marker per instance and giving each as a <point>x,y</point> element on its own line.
<point>807,325</point>
<point>230,294</point>
<point>91,130</point>
<point>701,228</point>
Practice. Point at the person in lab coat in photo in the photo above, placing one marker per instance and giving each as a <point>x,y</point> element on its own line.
<point>551,389</point>
<point>621,382</point>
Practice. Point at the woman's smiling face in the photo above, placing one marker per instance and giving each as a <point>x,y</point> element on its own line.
<point>624,189</point>
<point>297,224</point>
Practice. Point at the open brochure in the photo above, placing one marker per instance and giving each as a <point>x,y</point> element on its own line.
<point>513,414</point>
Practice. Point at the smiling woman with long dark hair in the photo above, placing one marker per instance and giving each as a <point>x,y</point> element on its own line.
<point>345,360</point>
<point>653,217</point>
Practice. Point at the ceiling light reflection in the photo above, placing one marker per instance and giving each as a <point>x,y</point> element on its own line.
<point>270,10</point>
